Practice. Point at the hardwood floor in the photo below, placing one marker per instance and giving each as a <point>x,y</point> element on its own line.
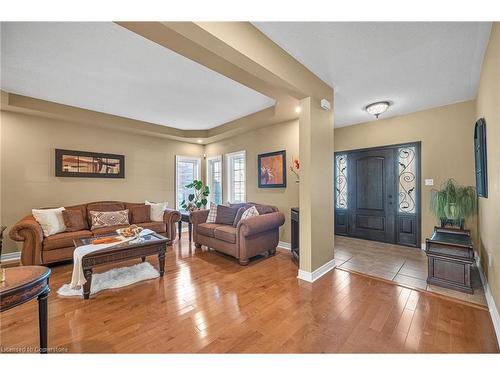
<point>208,303</point>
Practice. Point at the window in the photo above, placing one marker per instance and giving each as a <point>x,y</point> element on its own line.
<point>187,169</point>
<point>341,181</point>
<point>480,156</point>
<point>236,168</point>
<point>214,178</point>
<point>407,175</point>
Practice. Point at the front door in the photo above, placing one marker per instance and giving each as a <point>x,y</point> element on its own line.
<point>372,195</point>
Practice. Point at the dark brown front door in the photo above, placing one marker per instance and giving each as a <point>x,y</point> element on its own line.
<point>372,195</point>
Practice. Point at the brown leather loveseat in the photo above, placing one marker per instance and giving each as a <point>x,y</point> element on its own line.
<point>38,249</point>
<point>251,236</point>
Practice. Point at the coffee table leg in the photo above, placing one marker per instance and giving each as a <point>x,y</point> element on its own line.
<point>86,286</point>
<point>143,259</point>
<point>190,228</point>
<point>161,261</point>
<point>42,320</point>
<point>180,228</point>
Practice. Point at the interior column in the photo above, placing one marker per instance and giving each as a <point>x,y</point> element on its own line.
<point>316,151</point>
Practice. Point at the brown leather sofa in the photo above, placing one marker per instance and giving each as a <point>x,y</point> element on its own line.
<point>38,249</point>
<point>251,237</point>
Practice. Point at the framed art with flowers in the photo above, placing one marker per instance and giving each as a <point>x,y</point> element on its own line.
<point>272,169</point>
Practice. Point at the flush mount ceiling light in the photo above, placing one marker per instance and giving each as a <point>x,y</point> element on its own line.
<point>298,109</point>
<point>377,108</point>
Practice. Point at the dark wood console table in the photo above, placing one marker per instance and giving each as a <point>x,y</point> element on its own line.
<point>21,285</point>
<point>450,257</point>
<point>295,233</point>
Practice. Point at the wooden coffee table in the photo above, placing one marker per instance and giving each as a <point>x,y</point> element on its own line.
<point>151,244</point>
<point>21,285</point>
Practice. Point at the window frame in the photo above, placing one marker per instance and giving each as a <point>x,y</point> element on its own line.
<point>198,172</point>
<point>208,169</point>
<point>230,173</point>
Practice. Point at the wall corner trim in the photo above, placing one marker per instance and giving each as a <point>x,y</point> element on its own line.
<point>317,273</point>
<point>495,316</point>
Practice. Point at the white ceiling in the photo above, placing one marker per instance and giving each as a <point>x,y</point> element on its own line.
<point>106,68</point>
<point>414,65</point>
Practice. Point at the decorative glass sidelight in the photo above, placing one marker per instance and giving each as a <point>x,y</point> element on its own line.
<point>341,181</point>
<point>407,180</point>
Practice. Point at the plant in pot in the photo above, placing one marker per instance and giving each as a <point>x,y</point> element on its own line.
<point>198,198</point>
<point>453,203</point>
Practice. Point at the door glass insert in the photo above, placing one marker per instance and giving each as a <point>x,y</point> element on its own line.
<point>407,168</point>
<point>341,181</point>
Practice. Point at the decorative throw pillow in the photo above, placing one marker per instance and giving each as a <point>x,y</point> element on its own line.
<point>238,216</point>
<point>212,215</point>
<point>73,220</point>
<point>157,210</point>
<point>50,219</point>
<point>225,215</point>
<point>252,211</point>
<point>101,219</point>
<point>141,214</point>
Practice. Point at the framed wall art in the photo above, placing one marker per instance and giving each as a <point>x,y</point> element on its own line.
<point>272,169</point>
<point>71,163</point>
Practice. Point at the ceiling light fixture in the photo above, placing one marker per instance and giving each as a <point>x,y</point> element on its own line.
<point>298,109</point>
<point>377,108</point>
<point>199,141</point>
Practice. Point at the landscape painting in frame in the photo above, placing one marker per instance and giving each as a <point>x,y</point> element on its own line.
<point>89,164</point>
<point>272,169</point>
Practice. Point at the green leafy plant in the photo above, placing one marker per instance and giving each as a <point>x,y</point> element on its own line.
<point>454,201</point>
<point>198,198</point>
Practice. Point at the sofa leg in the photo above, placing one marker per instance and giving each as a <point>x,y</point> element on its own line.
<point>243,262</point>
<point>197,245</point>
<point>272,252</point>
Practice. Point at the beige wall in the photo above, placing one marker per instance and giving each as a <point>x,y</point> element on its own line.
<point>284,136</point>
<point>27,166</point>
<point>488,106</point>
<point>447,151</point>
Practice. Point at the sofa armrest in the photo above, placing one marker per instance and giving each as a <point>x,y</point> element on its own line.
<point>262,223</point>
<point>198,217</point>
<point>171,218</point>
<point>28,231</point>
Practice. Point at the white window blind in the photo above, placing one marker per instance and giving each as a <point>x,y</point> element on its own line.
<point>236,167</point>
<point>187,169</point>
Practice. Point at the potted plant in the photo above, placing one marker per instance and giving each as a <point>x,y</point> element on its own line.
<point>198,198</point>
<point>453,203</point>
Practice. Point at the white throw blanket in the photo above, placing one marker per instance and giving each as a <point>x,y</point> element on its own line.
<point>78,278</point>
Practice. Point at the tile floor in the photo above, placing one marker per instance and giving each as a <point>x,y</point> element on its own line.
<point>404,265</point>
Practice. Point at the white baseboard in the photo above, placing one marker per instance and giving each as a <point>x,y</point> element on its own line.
<point>492,307</point>
<point>317,273</point>
<point>285,245</point>
<point>10,257</point>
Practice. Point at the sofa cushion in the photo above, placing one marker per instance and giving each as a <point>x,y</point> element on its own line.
<point>64,239</point>
<point>50,219</point>
<point>83,209</point>
<point>238,216</point>
<point>107,230</point>
<point>207,229</point>
<point>225,215</point>
<point>225,233</point>
<point>108,219</point>
<point>140,214</point>
<point>157,226</point>
<point>103,206</point>
<point>74,220</point>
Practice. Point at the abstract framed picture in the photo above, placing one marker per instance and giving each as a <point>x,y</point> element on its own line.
<point>71,163</point>
<point>272,169</point>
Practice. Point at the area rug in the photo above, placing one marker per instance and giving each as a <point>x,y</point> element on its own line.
<point>115,278</point>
